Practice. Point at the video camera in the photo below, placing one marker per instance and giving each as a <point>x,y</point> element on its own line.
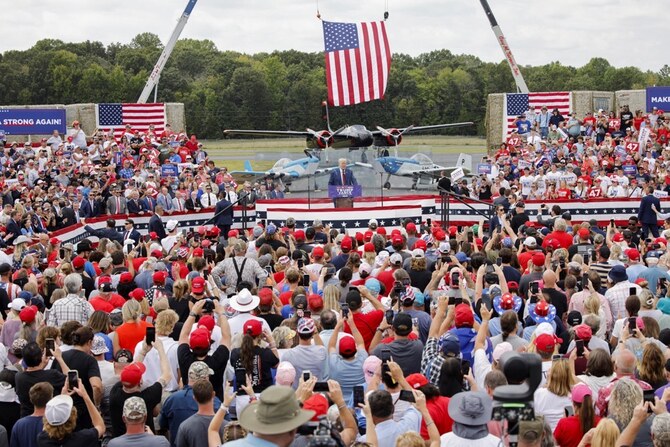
<point>320,434</point>
<point>514,403</point>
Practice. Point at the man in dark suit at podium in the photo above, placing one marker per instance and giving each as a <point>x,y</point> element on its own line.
<point>342,176</point>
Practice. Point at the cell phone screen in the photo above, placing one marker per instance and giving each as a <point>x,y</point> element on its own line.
<point>72,379</point>
<point>240,380</point>
<point>305,280</point>
<point>151,335</point>
<point>389,316</point>
<point>632,291</point>
<point>359,395</point>
<point>465,367</point>
<point>321,387</point>
<point>585,281</point>
<point>386,355</point>
<point>632,324</point>
<point>50,345</point>
<point>534,287</point>
<point>580,348</point>
<point>498,261</point>
<point>406,395</point>
<point>306,375</point>
<point>345,311</point>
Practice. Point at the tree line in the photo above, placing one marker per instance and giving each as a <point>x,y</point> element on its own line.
<point>284,89</point>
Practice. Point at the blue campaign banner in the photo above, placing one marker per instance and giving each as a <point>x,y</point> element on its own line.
<point>169,171</point>
<point>658,97</point>
<point>629,170</point>
<point>335,191</point>
<point>483,168</point>
<point>32,121</point>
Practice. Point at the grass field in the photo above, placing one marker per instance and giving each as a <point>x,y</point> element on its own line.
<point>264,152</point>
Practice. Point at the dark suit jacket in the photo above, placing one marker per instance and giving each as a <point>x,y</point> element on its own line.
<point>646,213</point>
<point>134,235</point>
<point>109,233</point>
<point>156,224</point>
<point>14,229</point>
<point>149,203</point>
<point>190,204</point>
<point>135,207</point>
<point>86,210</point>
<point>67,216</point>
<point>226,217</point>
<point>336,177</point>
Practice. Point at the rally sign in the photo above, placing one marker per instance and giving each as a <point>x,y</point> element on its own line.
<point>169,170</point>
<point>32,121</point>
<point>660,194</point>
<point>615,124</point>
<point>629,169</point>
<point>632,147</point>
<point>457,174</point>
<point>483,168</point>
<point>658,97</point>
<point>643,136</point>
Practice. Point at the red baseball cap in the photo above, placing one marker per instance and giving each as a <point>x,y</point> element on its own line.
<point>318,404</point>
<point>416,380</point>
<point>584,233</point>
<point>538,259</point>
<point>198,285</point>
<point>440,235</point>
<point>464,316</point>
<point>157,254</point>
<point>205,243</point>
<point>420,243</point>
<point>410,227</point>
<point>315,302</point>
<point>382,231</point>
<point>54,241</point>
<point>265,296</point>
<point>369,247</point>
<point>137,294</point>
<point>253,327</point>
<point>132,374</point>
<point>106,279</point>
<point>78,262</point>
<point>207,321</point>
<point>396,240</point>
<point>347,346</point>
<point>618,237</point>
<point>367,236</point>
<point>198,252</point>
<point>317,252</point>
<point>633,254</point>
<point>153,235</point>
<point>160,277</point>
<point>199,338</point>
<point>453,230</point>
<point>233,233</point>
<point>299,235</point>
<point>546,342</point>
<point>346,243</point>
<point>125,277</point>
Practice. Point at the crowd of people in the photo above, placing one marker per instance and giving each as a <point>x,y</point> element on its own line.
<point>601,155</point>
<point>281,335</point>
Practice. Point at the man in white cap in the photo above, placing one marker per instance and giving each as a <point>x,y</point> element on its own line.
<point>172,229</point>
<point>60,421</point>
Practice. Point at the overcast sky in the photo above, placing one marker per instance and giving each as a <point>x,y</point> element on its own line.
<point>625,32</point>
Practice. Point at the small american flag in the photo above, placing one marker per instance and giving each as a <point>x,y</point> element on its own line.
<point>115,116</point>
<point>517,104</point>
<point>358,60</point>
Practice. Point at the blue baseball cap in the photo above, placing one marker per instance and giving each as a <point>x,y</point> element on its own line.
<point>449,345</point>
<point>373,285</point>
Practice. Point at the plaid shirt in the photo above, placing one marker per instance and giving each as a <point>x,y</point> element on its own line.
<point>617,295</point>
<point>431,361</point>
<point>70,308</point>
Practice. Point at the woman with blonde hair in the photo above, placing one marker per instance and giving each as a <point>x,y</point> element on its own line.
<point>605,434</point>
<point>179,299</point>
<point>284,336</point>
<point>625,396</point>
<point>551,401</point>
<point>648,305</point>
<point>20,248</point>
<point>133,329</point>
<point>331,298</point>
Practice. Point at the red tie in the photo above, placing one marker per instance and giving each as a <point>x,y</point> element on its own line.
<point>343,181</point>
<point>118,205</point>
<point>179,203</point>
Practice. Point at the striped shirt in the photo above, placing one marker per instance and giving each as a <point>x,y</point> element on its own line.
<point>602,269</point>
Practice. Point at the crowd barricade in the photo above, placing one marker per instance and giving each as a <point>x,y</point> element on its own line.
<point>389,212</point>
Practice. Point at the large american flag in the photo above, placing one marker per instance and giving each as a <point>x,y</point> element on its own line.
<point>115,116</point>
<point>358,60</point>
<point>517,104</point>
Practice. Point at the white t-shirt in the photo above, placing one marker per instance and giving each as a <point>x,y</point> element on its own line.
<point>551,406</point>
<point>153,363</point>
<point>451,440</point>
<point>237,323</point>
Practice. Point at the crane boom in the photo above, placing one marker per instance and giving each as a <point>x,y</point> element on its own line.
<point>165,55</point>
<point>500,37</point>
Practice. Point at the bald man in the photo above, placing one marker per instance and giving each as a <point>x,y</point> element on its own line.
<point>624,366</point>
<point>553,294</point>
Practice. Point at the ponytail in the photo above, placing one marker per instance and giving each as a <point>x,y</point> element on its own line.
<point>586,414</point>
<point>247,352</point>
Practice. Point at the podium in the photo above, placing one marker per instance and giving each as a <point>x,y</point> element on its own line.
<point>343,196</point>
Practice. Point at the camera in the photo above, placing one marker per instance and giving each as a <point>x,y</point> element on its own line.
<point>514,402</point>
<point>209,305</point>
<point>320,433</point>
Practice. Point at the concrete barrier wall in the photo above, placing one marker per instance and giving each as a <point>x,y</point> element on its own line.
<point>582,102</point>
<point>85,113</point>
